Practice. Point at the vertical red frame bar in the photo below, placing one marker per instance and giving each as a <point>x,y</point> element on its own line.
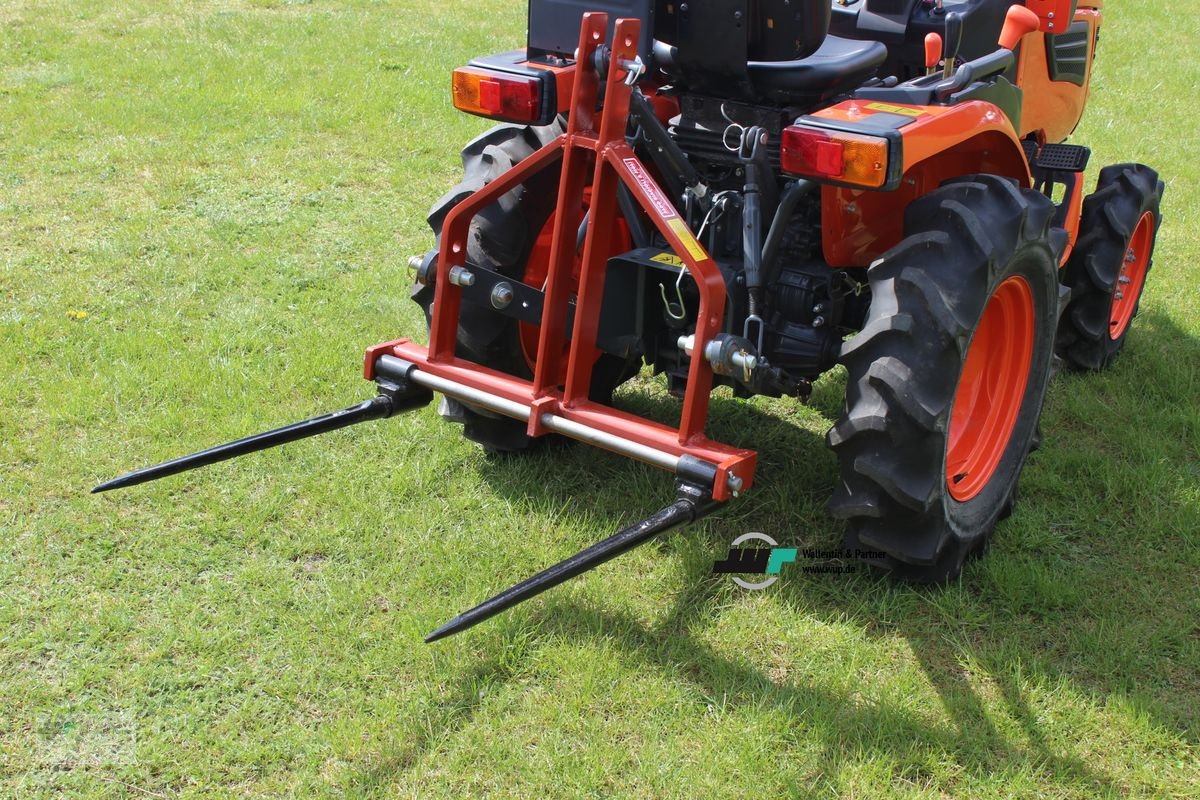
<point>579,142</point>
<point>601,215</point>
<point>616,162</point>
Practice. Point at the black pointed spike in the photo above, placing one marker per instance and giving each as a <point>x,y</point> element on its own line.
<point>691,504</point>
<point>375,408</point>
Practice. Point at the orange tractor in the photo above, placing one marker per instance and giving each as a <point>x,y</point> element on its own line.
<point>747,193</point>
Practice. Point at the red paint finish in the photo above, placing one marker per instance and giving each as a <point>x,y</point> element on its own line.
<point>594,158</point>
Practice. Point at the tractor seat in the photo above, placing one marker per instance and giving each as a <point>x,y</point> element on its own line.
<point>837,66</point>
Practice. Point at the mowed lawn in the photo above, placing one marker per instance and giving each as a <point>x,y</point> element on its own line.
<point>205,212</point>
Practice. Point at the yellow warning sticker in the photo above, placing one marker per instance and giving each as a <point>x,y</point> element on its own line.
<point>891,109</point>
<point>689,241</point>
<point>668,258</point>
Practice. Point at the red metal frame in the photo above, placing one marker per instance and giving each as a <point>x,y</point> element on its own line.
<point>614,163</point>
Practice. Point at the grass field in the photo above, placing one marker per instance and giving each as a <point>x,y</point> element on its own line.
<point>205,209</point>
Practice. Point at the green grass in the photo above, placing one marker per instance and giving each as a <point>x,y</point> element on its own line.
<point>229,191</point>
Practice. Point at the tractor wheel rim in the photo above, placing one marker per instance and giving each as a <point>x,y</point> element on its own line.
<point>1132,277</point>
<point>537,270</point>
<point>991,389</point>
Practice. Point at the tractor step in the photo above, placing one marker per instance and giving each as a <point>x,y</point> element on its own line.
<point>1030,146</point>
<point>1063,158</point>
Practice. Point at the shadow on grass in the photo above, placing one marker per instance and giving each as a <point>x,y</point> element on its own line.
<point>1018,614</point>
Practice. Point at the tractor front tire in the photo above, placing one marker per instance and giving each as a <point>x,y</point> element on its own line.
<point>1106,272</point>
<point>946,380</point>
<point>502,238</point>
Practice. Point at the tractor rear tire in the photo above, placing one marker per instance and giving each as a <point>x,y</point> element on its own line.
<point>1106,272</point>
<point>501,238</point>
<point>946,380</point>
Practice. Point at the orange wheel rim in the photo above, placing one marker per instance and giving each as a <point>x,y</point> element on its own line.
<point>537,268</point>
<point>1132,277</point>
<point>991,389</point>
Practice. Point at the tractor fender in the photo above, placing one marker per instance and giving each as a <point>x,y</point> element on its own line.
<point>937,143</point>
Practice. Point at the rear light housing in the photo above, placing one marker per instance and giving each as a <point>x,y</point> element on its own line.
<point>498,95</point>
<point>845,158</point>
<point>514,87</point>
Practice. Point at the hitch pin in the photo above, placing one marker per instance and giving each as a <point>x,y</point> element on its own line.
<point>662,290</point>
<point>633,69</point>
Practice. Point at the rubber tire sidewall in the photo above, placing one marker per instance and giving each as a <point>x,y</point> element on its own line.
<point>904,369</point>
<point>1124,193</point>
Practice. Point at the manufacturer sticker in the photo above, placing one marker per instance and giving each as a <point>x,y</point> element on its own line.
<point>659,200</point>
<point>888,108</point>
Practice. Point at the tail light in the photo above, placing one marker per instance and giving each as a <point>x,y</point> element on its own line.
<point>498,95</point>
<point>851,159</point>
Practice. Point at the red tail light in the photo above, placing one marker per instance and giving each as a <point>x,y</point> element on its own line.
<point>837,156</point>
<point>513,98</point>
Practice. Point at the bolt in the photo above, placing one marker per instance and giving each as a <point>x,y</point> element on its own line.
<point>734,483</point>
<point>502,295</point>
<point>1124,279</point>
<point>461,276</point>
<point>818,321</point>
<point>414,263</point>
<point>1120,295</point>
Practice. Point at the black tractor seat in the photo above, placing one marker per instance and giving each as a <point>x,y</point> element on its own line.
<point>837,66</point>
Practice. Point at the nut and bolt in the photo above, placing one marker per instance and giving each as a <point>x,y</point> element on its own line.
<point>461,276</point>
<point>502,295</point>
